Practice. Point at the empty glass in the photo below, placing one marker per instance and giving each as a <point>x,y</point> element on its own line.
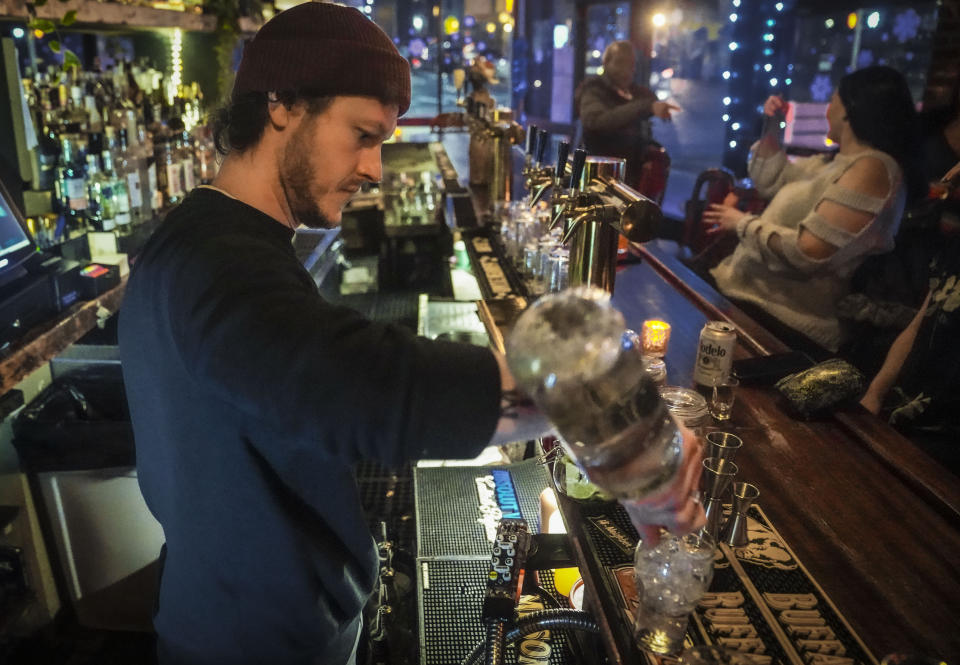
<point>671,578</point>
<point>559,270</point>
<point>688,406</point>
<point>531,260</point>
<point>723,397</point>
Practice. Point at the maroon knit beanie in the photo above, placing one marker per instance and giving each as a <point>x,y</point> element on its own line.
<point>327,49</point>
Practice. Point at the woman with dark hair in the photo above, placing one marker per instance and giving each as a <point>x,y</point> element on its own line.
<point>827,213</point>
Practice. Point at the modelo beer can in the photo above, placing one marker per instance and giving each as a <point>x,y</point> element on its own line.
<point>714,355</point>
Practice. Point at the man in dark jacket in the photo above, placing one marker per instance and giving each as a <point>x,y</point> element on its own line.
<point>252,397</point>
<point>615,112</point>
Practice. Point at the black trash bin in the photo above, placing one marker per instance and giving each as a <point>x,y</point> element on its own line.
<point>78,422</point>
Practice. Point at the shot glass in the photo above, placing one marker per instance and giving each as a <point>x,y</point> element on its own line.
<point>723,445</point>
<point>671,578</point>
<point>723,397</point>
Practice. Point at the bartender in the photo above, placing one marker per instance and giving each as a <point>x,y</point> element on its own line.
<point>251,397</point>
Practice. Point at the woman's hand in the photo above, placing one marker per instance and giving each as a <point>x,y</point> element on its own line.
<point>678,506</point>
<point>952,173</point>
<point>871,402</point>
<point>774,105</point>
<point>722,217</point>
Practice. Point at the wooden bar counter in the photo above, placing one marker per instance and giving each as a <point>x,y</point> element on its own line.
<point>875,520</point>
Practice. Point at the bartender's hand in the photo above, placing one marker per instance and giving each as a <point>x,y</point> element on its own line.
<point>722,217</point>
<point>663,110</point>
<point>678,506</point>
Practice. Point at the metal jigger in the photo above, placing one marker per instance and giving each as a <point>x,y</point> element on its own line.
<point>744,494</point>
<point>714,481</point>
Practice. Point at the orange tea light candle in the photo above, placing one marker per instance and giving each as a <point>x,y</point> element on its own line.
<point>655,336</point>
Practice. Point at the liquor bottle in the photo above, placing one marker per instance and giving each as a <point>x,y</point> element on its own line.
<point>119,192</point>
<point>183,153</point>
<point>206,154</point>
<point>567,353</point>
<point>169,170</point>
<point>143,161</point>
<point>155,197</point>
<point>101,208</point>
<point>129,173</point>
<point>75,113</point>
<point>48,146</point>
<point>71,186</point>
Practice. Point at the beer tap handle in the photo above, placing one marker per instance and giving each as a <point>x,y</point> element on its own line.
<point>543,137</point>
<point>531,139</point>
<point>563,151</point>
<point>576,171</point>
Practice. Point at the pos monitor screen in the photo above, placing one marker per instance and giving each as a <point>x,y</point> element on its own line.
<point>16,246</point>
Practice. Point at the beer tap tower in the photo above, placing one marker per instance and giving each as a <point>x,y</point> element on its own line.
<point>596,209</point>
<point>503,133</point>
<point>493,132</point>
<point>480,153</point>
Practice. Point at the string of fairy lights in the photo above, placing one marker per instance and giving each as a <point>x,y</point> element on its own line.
<point>758,68</point>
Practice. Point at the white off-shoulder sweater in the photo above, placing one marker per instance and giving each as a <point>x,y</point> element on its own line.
<point>801,291</point>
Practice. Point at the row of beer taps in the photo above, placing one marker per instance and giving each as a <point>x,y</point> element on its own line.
<point>600,196</point>
<point>593,203</point>
<point>588,193</point>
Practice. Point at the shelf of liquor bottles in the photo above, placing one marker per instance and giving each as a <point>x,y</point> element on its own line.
<point>102,15</point>
<point>113,149</point>
<point>106,150</point>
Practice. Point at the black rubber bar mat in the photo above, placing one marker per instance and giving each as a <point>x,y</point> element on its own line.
<point>762,601</point>
<point>458,508</point>
<point>494,272</point>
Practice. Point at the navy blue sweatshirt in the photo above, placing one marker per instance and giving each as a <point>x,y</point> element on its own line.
<point>251,397</point>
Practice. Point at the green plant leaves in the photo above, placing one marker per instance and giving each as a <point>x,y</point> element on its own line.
<point>42,24</point>
<point>54,45</point>
<point>69,18</point>
<point>70,59</point>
